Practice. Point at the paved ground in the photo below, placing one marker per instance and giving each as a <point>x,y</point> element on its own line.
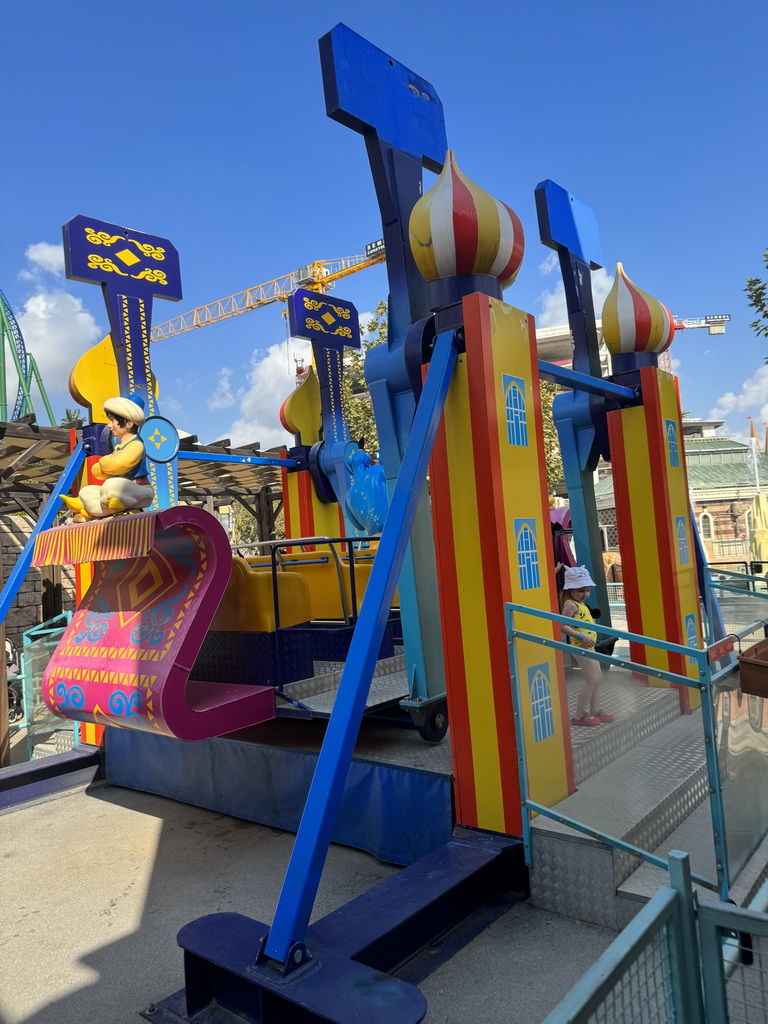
<point>95,886</point>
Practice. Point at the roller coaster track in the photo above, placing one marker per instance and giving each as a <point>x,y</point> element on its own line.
<point>12,331</point>
<point>26,368</point>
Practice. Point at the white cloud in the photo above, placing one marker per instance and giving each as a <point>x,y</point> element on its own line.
<point>271,379</point>
<point>752,396</point>
<point>43,257</point>
<point>57,329</point>
<point>222,396</point>
<point>549,263</point>
<point>751,400</point>
<point>554,311</point>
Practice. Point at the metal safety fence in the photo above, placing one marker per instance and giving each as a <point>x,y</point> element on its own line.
<point>678,962</point>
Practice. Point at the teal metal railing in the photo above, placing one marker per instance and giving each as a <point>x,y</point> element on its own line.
<point>707,677</point>
<point>678,962</point>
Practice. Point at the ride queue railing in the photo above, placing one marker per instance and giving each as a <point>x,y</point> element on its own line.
<point>678,962</point>
<point>703,682</point>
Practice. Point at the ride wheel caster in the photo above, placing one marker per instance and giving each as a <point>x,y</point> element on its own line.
<point>434,724</point>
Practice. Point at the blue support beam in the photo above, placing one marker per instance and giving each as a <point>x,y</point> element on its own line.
<point>249,460</point>
<point>311,847</point>
<point>584,382</point>
<point>46,519</point>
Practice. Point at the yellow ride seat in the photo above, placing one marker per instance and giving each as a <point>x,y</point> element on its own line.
<point>248,602</point>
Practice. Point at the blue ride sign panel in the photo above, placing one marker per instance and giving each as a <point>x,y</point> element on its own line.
<point>133,262</point>
<point>333,323</point>
<point>330,324</point>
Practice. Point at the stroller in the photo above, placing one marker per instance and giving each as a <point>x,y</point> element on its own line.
<point>15,694</point>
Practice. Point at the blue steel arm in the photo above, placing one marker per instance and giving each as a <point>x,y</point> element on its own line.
<point>400,116</point>
<point>584,382</point>
<point>571,413</point>
<point>47,516</point>
<point>570,228</point>
<point>250,460</point>
<point>314,835</point>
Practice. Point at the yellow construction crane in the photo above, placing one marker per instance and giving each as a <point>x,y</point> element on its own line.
<point>319,276</point>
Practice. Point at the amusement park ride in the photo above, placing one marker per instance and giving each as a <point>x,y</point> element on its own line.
<point>177,640</point>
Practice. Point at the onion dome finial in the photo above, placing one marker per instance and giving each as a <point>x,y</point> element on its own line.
<point>458,229</point>
<point>633,321</point>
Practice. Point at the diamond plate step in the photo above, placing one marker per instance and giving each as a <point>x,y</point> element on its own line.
<point>390,683</point>
<point>641,797</point>
<point>639,712</point>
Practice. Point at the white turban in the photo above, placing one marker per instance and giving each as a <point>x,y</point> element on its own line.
<point>126,408</point>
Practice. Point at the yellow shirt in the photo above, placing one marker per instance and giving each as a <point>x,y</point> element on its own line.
<point>585,615</point>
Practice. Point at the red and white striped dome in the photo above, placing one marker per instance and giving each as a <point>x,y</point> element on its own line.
<point>633,321</point>
<point>457,228</point>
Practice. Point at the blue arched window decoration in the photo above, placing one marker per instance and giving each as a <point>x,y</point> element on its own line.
<point>514,403</point>
<point>672,446</point>
<point>527,554</point>
<point>541,703</point>
<point>682,540</point>
<point>690,632</point>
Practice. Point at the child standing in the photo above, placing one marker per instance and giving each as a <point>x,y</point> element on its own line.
<point>576,586</point>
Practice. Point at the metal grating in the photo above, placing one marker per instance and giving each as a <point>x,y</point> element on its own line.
<point>747,988</point>
<point>643,995</point>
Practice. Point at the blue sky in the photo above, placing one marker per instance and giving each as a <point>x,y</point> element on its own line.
<point>205,123</point>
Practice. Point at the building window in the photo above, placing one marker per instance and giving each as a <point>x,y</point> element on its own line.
<point>514,402</point>
<point>706,526</point>
<point>748,521</point>
<point>527,553</point>
<point>541,702</point>
<point>682,540</point>
<point>672,445</point>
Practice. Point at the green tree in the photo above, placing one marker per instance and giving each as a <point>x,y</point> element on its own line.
<point>71,417</point>
<point>757,297</point>
<point>552,458</point>
<point>355,398</point>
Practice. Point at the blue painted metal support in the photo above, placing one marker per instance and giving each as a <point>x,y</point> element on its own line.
<point>716,807</point>
<point>313,838</point>
<point>573,418</point>
<point>687,975</point>
<point>248,460</point>
<point>400,116</point>
<point>46,519</point>
<point>570,228</point>
<point>584,382</point>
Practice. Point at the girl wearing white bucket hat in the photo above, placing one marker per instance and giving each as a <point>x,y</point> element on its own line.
<point>126,485</point>
<point>576,586</point>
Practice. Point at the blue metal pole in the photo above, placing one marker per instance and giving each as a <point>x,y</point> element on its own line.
<point>717,810</point>
<point>519,735</point>
<point>314,835</point>
<point>46,518</point>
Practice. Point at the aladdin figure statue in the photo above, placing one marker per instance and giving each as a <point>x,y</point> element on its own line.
<point>126,485</point>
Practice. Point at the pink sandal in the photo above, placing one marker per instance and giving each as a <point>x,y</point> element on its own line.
<point>605,717</point>
<point>586,720</point>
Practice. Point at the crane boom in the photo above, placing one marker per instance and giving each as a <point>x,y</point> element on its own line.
<point>319,276</point>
